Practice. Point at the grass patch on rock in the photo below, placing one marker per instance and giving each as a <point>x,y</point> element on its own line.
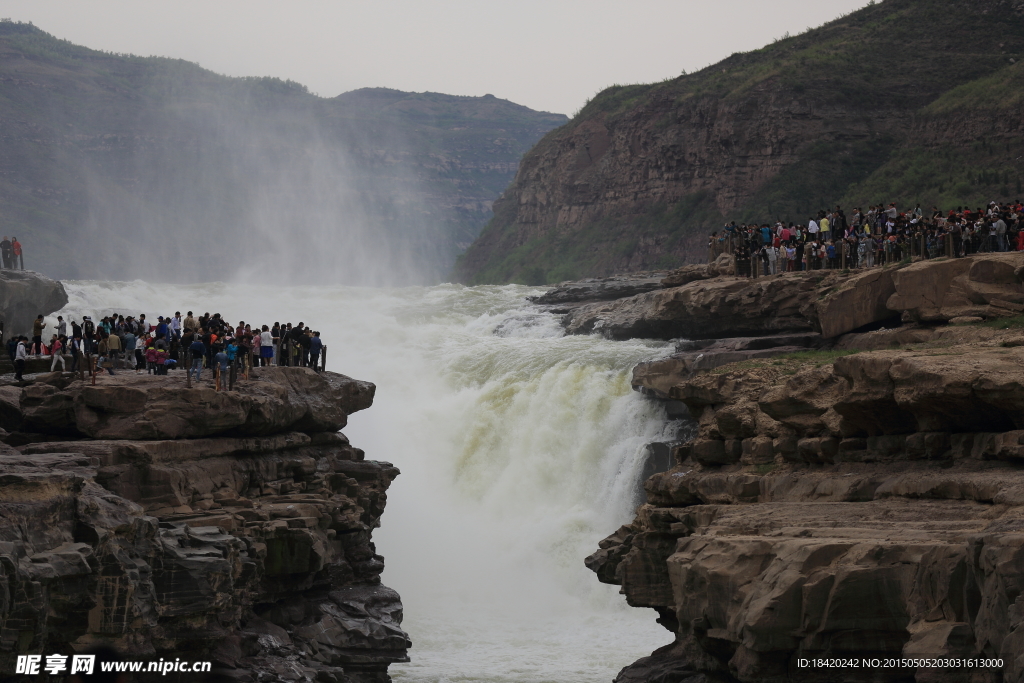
<point>1010,323</point>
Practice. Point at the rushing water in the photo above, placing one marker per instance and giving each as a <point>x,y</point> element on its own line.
<point>519,449</point>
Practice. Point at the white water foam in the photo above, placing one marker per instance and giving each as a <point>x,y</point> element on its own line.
<point>519,449</point>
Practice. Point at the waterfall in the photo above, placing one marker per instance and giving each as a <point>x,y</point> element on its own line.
<point>520,449</point>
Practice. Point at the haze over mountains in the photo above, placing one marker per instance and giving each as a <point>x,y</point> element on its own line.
<point>121,167</point>
<point>904,100</point>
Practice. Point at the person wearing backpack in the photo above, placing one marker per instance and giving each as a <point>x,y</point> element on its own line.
<point>76,351</point>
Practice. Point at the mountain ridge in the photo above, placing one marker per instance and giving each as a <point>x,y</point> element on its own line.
<point>640,176</point>
<point>121,150</point>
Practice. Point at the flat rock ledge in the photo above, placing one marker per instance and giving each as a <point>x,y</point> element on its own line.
<point>712,305</point>
<point>171,522</point>
<point>568,295</point>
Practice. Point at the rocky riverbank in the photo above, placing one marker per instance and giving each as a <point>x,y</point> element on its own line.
<point>856,485</point>
<point>171,522</point>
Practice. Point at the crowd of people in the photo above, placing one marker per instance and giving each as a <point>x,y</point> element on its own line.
<point>119,342</point>
<point>10,253</point>
<point>878,236</point>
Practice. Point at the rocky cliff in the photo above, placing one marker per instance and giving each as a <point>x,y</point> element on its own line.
<point>848,494</point>
<point>878,104</point>
<point>833,303</point>
<point>171,522</point>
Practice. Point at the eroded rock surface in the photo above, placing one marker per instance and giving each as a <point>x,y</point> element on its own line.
<point>705,309</point>
<point>861,506</point>
<point>24,294</point>
<point>724,265</point>
<point>600,289</point>
<point>234,527</point>
<point>697,305</point>
<point>156,407</point>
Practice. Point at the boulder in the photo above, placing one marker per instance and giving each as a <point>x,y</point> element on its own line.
<point>856,302</point>
<point>984,285</point>
<point>24,294</point>
<point>724,265</point>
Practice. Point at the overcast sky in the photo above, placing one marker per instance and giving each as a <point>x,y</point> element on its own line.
<point>546,54</point>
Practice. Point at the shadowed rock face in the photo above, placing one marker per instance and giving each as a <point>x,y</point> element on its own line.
<point>250,546</point>
<point>24,294</point>
<point>870,506</point>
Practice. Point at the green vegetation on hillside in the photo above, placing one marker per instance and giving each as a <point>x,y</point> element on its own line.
<point>904,100</point>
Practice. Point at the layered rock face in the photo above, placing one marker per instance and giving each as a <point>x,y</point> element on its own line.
<point>167,522</point>
<point>870,505</point>
<point>855,486</point>
<point>712,306</point>
<point>25,294</point>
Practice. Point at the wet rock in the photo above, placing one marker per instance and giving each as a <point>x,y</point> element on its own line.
<point>600,289</point>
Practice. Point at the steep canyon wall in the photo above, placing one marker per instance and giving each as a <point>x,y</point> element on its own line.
<point>855,486</point>
<point>233,527</point>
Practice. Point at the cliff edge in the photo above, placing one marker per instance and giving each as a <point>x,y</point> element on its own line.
<point>855,487</point>
<point>232,527</point>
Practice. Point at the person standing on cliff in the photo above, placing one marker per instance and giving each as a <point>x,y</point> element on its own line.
<point>198,349</point>
<point>18,260</point>
<point>88,334</point>
<point>76,349</point>
<point>175,325</point>
<point>37,334</point>
<point>56,353</point>
<point>20,356</point>
<point>316,345</point>
<point>6,251</point>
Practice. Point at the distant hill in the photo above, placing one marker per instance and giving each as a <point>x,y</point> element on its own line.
<point>904,100</point>
<point>121,167</point>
